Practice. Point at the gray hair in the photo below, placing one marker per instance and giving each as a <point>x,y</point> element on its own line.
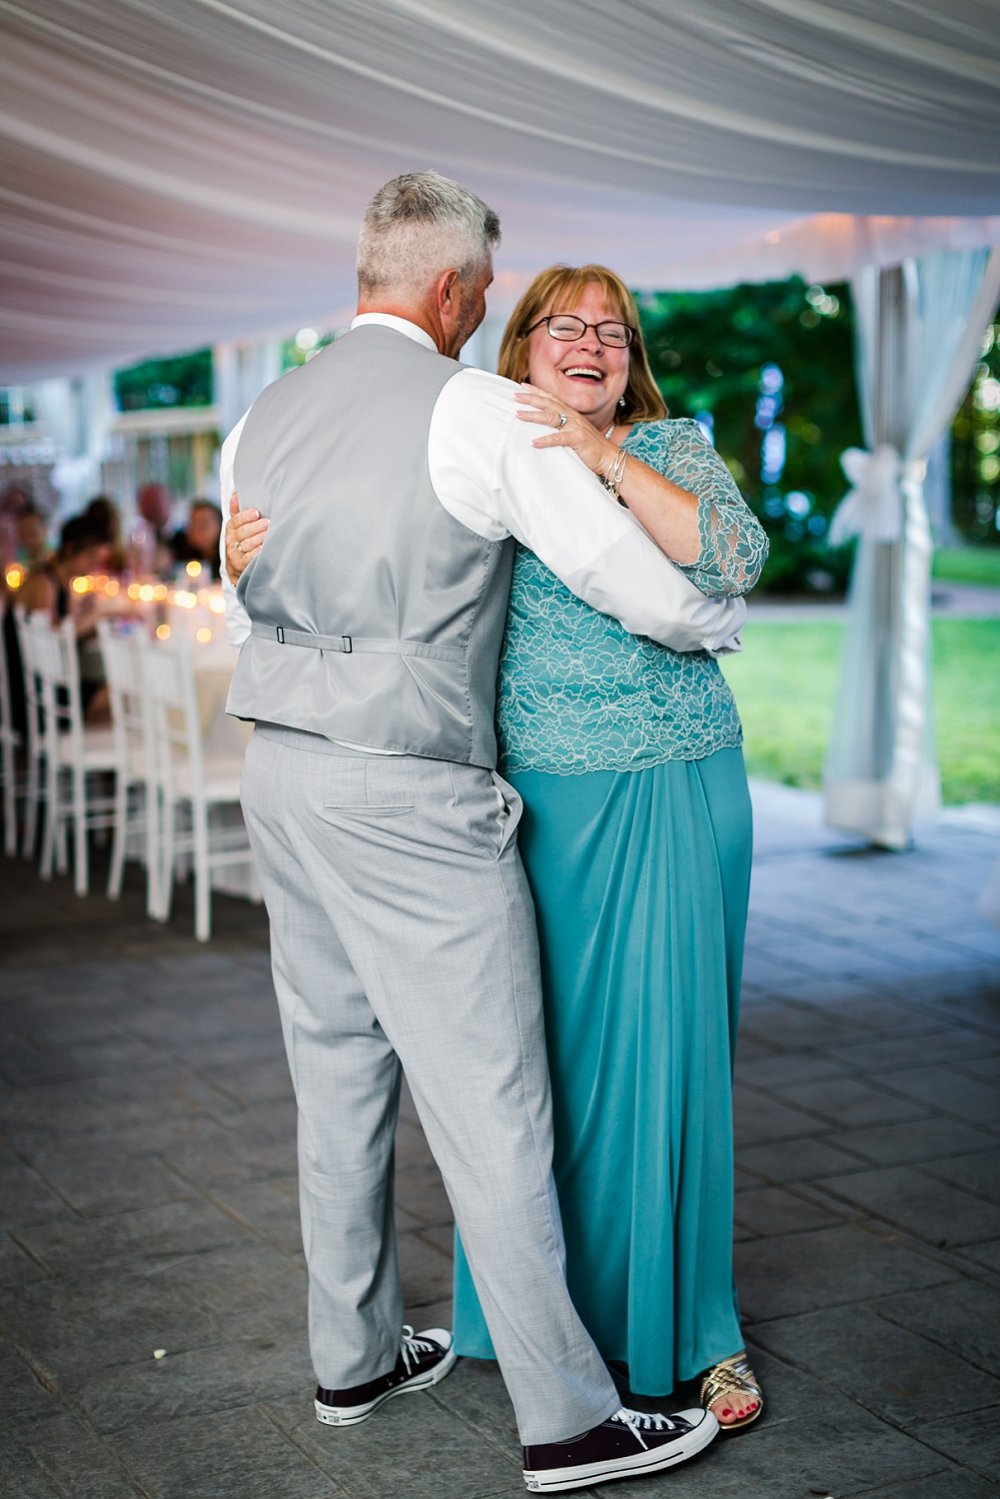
<point>417,227</point>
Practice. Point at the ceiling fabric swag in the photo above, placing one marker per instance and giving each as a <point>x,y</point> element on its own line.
<point>919,331</point>
<point>174,176</point>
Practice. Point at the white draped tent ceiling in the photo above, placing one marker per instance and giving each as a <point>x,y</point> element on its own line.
<point>174,174</point>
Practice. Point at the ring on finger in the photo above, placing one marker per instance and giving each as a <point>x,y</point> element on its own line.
<point>563,419</point>
<point>239,546</point>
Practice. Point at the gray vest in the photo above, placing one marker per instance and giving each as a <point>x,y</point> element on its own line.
<point>377,617</point>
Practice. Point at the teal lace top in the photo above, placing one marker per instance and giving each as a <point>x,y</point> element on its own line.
<point>577,692</point>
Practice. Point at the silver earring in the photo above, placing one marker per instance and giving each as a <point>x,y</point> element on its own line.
<point>621,400</point>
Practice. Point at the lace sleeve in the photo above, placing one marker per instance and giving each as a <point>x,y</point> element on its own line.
<point>733,543</point>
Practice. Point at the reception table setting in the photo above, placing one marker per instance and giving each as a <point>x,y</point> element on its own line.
<point>158,767</point>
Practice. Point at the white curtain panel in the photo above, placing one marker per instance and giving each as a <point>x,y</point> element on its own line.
<point>919,329</point>
<point>182,174</point>
<point>240,371</point>
<point>78,414</point>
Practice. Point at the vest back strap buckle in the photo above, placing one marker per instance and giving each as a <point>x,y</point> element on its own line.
<point>347,645</point>
<point>342,643</point>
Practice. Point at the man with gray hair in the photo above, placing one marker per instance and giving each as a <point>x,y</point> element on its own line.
<point>391,481</point>
<point>415,225</point>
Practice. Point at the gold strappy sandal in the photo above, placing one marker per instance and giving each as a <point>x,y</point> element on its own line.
<point>734,1377</point>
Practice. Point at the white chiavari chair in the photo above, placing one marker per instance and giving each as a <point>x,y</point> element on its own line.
<point>131,728</point>
<point>190,786</point>
<point>34,780</point>
<point>76,756</point>
<point>10,743</point>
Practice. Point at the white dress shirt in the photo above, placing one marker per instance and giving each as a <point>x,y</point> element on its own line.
<point>489,477</point>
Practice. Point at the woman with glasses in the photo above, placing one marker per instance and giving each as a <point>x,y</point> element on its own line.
<point>636,839</point>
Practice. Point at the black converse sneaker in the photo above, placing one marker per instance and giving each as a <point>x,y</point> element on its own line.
<point>627,1445</point>
<point>423,1361</point>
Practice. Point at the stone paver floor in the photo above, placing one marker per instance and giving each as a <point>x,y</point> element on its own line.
<point>147,1192</point>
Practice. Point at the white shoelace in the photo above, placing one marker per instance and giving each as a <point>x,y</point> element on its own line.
<point>412,1347</point>
<point>640,1421</point>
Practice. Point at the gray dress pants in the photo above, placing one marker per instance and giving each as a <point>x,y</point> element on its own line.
<point>402,932</point>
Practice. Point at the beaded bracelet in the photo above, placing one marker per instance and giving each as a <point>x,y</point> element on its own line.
<point>613,482</point>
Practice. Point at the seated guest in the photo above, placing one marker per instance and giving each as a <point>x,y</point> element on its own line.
<point>29,530</point>
<point>199,540</point>
<point>83,548</point>
<point>153,504</point>
<point>104,514</point>
<point>31,536</point>
<point>150,547</point>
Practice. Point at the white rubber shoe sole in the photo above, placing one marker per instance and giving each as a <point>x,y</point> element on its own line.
<point>352,1415</point>
<point>556,1480</point>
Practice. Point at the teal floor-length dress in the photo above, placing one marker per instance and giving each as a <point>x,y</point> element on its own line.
<point>636,841</point>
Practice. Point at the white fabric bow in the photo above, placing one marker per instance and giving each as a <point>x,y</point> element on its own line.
<point>873,507</point>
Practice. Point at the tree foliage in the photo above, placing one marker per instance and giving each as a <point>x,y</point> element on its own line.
<point>707,351</point>
<point>183,381</point>
<point>975,449</point>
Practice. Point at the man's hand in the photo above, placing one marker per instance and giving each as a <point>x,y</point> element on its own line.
<point>244,537</point>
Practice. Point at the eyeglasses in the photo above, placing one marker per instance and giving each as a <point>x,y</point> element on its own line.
<point>567,328</point>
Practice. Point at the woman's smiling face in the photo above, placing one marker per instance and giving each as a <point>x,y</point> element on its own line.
<point>585,375</point>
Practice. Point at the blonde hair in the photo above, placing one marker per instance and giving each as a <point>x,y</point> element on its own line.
<point>558,290</point>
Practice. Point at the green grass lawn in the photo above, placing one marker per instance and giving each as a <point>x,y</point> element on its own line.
<point>968,565</point>
<point>785,684</point>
